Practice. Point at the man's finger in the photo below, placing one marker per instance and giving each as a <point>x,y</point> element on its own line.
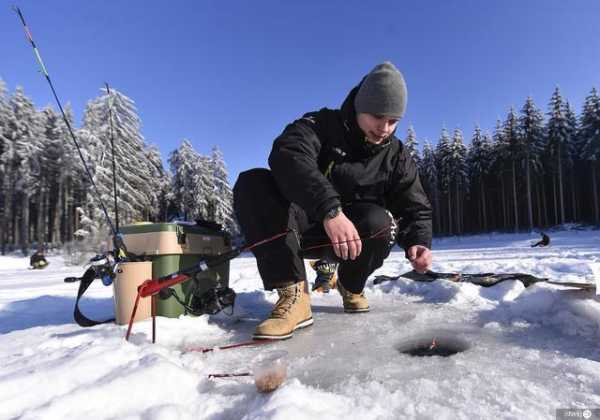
<point>358,243</point>
<point>353,251</point>
<point>412,254</point>
<point>344,250</point>
<point>418,266</point>
<point>336,250</point>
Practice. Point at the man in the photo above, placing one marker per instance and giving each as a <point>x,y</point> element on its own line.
<point>341,180</point>
<point>545,241</point>
<point>38,259</point>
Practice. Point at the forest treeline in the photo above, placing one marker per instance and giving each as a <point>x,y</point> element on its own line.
<point>535,169</point>
<point>46,196</point>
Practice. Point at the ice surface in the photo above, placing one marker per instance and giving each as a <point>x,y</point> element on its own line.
<point>530,350</point>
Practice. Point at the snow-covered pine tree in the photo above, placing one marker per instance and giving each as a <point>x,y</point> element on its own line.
<point>6,156</point>
<point>4,118</point>
<point>412,145</point>
<point>93,153</point>
<point>443,154</point>
<point>531,128</point>
<point>459,176</point>
<point>478,163</point>
<point>187,167</point>
<point>75,183</point>
<point>558,136</point>
<point>52,163</point>
<point>590,140</point>
<point>573,149</point>
<point>134,180</point>
<point>515,156</point>
<point>89,239</point>
<point>487,145</point>
<point>62,172</point>
<point>25,131</point>
<point>223,195</point>
<point>499,163</point>
<point>160,182</point>
<point>429,177</point>
<point>205,188</point>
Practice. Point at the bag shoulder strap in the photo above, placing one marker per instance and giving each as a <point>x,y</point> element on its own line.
<point>83,321</point>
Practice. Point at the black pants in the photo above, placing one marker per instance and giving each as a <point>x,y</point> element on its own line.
<point>262,212</point>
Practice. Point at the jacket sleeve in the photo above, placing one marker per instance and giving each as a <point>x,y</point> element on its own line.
<point>409,204</point>
<point>294,164</point>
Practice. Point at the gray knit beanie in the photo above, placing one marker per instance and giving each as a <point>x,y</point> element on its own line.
<point>382,92</point>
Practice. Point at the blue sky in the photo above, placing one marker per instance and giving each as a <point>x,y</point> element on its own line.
<point>234,73</point>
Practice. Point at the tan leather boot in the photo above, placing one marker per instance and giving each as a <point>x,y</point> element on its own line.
<point>353,302</point>
<point>292,311</point>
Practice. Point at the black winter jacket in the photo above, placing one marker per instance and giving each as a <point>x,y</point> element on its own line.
<point>323,160</point>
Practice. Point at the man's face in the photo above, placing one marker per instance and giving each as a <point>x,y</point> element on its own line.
<point>377,128</point>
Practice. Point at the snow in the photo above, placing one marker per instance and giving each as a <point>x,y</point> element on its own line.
<point>530,350</point>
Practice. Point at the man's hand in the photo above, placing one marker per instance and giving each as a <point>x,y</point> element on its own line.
<point>344,236</point>
<point>420,257</point>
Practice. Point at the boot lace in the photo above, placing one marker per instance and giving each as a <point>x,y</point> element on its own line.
<point>287,298</point>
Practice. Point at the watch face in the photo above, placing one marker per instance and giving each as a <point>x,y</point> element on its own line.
<point>333,212</point>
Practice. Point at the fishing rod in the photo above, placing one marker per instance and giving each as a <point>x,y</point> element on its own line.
<point>117,237</point>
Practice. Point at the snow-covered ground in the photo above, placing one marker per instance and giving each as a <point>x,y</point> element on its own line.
<point>531,351</point>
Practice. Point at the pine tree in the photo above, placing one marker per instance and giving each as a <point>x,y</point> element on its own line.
<point>443,155</point>
<point>206,188</point>
<point>160,183</point>
<point>429,177</point>
<point>478,162</point>
<point>134,181</point>
<point>51,160</point>
<point>187,167</point>
<point>6,158</point>
<point>75,181</point>
<point>500,153</point>
<point>223,193</point>
<point>412,145</point>
<point>590,141</point>
<point>573,151</point>
<point>515,155</point>
<point>25,131</point>
<point>531,127</point>
<point>459,175</point>
<point>63,171</point>
<point>558,148</point>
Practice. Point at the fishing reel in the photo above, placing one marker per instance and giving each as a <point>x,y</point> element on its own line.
<point>211,302</point>
<point>101,266</point>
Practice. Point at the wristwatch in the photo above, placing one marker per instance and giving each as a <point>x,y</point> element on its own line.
<point>332,212</point>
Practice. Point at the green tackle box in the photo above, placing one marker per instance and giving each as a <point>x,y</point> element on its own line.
<point>172,247</point>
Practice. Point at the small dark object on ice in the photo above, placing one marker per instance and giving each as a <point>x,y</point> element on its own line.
<point>38,260</point>
<point>545,241</point>
<point>228,375</point>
